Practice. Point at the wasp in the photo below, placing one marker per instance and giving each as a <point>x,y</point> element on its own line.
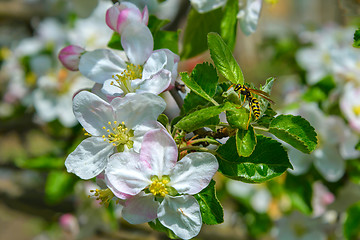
<point>253,102</point>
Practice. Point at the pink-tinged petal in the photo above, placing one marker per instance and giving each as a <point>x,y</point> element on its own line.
<point>157,83</point>
<point>92,112</point>
<point>159,151</point>
<point>193,172</point>
<point>145,15</point>
<point>136,109</point>
<point>141,208</point>
<point>126,17</point>
<point>112,15</point>
<point>141,129</point>
<point>137,42</point>
<point>182,215</point>
<point>126,174</point>
<point>70,57</point>
<point>89,158</point>
<point>101,64</point>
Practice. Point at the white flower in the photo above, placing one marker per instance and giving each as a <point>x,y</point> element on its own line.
<point>157,170</point>
<point>145,70</point>
<point>350,105</point>
<point>336,143</point>
<point>248,14</point>
<point>116,126</point>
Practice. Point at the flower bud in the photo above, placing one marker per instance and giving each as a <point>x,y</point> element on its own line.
<point>70,56</point>
<point>119,15</point>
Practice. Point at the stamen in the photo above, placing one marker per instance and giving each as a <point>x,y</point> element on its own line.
<point>118,135</point>
<point>123,80</point>
<point>105,195</point>
<point>159,187</point>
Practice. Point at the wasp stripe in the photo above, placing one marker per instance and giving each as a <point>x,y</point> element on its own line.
<point>255,107</point>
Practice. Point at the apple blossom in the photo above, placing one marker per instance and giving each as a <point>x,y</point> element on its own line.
<point>113,127</point>
<point>121,14</point>
<point>350,105</point>
<point>152,181</point>
<point>70,56</point>
<point>144,71</point>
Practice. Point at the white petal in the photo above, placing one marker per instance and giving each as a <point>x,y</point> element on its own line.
<point>193,172</point>
<point>300,161</point>
<point>329,163</point>
<point>248,17</point>
<point>141,130</point>
<point>182,215</point>
<point>127,174</point>
<point>138,108</point>
<point>137,42</point>
<point>101,64</point>
<point>89,158</point>
<point>141,208</point>
<point>203,6</point>
<point>92,112</point>
<point>110,88</point>
<point>155,63</point>
<point>159,150</point>
<point>157,84</point>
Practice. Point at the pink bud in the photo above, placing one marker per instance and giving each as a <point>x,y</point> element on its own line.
<point>70,56</point>
<point>119,15</point>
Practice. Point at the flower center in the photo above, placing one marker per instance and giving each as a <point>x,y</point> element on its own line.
<point>104,195</point>
<point>123,80</point>
<point>159,187</point>
<point>356,110</point>
<point>119,135</point>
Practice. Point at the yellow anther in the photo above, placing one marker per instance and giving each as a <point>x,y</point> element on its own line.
<point>123,123</point>
<point>115,122</point>
<point>109,123</point>
<point>103,127</point>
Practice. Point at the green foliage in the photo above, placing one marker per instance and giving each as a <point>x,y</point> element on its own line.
<point>41,163</point>
<point>266,88</point>
<point>229,22</point>
<point>156,225</point>
<point>166,39</point>
<point>163,119</point>
<point>320,90</point>
<point>300,194</point>
<point>268,160</point>
<point>224,60</point>
<point>237,117</point>
<point>115,42</point>
<point>352,222</point>
<point>211,210</point>
<point>59,184</point>
<point>357,38</point>
<point>267,117</point>
<point>245,141</point>
<point>296,131</point>
<point>155,24</point>
<point>202,118</point>
<point>197,27</point>
<point>202,82</point>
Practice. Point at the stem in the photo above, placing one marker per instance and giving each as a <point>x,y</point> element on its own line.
<point>208,140</point>
<point>197,148</point>
<point>261,128</point>
<point>214,102</point>
<point>178,99</point>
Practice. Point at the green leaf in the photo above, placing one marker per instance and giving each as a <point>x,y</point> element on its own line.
<point>163,119</point>
<point>211,210</point>
<point>59,184</point>
<point>156,225</point>
<point>245,141</point>
<point>192,84</point>
<point>353,171</point>
<point>41,163</point>
<point>115,42</point>
<point>357,147</point>
<point>296,131</point>
<point>224,60</point>
<point>300,194</point>
<point>266,88</point>
<point>267,117</point>
<point>357,38</point>
<point>229,22</point>
<point>237,117</point>
<point>203,80</point>
<point>268,160</point>
<point>155,24</point>
<point>352,222</point>
<point>201,118</point>
<point>197,27</point>
<point>167,39</point>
